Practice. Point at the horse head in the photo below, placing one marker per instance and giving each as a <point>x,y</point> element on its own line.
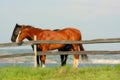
<point>27,32</point>
<point>22,34</point>
<point>15,32</point>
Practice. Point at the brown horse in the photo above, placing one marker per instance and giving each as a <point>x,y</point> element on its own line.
<point>70,34</point>
<point>67,47</point>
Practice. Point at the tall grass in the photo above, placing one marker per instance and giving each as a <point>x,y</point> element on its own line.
<point>60,73</point>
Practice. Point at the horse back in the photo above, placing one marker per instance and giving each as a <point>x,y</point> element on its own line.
<point>63,34</point>
<point>52,35</point>
<point>74,33</point>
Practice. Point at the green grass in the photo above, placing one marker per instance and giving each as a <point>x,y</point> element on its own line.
<point>60,73</point>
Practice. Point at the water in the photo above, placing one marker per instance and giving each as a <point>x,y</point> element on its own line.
<point>94,60</point>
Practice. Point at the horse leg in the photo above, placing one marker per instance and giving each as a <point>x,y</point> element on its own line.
<point>67,47</point>
<point>76,56</point>
<point>38,57</point>
<point>76,60</point>
<point>63,59</point>
<point>43,58</point>
<point>38,60</point>
<point>84,57</point>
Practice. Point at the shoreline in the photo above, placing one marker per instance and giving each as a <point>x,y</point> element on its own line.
<point>91,61</point>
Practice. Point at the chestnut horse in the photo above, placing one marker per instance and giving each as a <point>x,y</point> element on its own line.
<point>70,34</point>
<point>67,47</point>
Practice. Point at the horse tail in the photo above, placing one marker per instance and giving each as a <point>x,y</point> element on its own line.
<point>83,56</point>
<point>81,47</point>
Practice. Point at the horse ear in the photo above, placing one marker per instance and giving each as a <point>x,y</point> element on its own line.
<point>16,24</point>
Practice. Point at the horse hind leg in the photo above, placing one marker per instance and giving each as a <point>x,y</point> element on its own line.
<point>84,57</point>
<point>67,47</point>
<point>43,58</point>
<point>63,59</point>
<point>76,56</point>
<point>76,60</point>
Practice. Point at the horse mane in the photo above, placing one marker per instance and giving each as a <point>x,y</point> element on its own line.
<point>29,26</point>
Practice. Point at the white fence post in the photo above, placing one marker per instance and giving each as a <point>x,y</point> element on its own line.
<point>35,51</point>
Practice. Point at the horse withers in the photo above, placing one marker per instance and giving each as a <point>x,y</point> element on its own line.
<point>64,34</point>
<point>67,47</point>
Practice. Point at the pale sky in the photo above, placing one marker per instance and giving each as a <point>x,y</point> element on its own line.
<point>94,18</point>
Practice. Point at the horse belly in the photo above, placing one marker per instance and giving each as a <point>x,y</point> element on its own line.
<point>55,46</point>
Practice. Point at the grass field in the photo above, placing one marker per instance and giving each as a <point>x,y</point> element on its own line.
<point>60,73</point>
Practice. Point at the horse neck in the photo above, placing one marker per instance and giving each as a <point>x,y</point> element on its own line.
<point>33,32</point>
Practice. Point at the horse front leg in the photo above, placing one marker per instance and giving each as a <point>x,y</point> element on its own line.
<point>42,59</point>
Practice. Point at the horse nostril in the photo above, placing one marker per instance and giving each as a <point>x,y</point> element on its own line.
<point>17,40</point>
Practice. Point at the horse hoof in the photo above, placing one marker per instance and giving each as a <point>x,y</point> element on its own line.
<point>43,66</point>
